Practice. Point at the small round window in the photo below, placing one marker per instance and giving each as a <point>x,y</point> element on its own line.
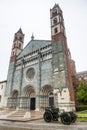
<point>30,73</point>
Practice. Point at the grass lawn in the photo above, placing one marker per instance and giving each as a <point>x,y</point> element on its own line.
<point>82,116</point>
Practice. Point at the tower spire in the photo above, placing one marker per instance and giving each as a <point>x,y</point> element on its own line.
<point>20,31</point>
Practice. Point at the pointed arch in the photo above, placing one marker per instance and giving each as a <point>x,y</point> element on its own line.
<point>29,91</point>
<point>15,93</point>
<point>47,90</point>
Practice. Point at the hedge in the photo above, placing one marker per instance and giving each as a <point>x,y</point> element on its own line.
<point>81,108</point>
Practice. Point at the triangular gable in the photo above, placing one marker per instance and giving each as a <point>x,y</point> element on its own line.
<point>33,45</point>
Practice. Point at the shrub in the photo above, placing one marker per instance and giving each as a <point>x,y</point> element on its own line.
<point>81,108</point>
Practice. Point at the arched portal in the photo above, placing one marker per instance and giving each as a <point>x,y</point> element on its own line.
<point>13,101</point>
<point>30,94</point>
<point>15,93</point>
<point>29,91</point>
<point>47,92</point>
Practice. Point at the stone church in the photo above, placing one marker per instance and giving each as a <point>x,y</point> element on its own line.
<point>40,75</point>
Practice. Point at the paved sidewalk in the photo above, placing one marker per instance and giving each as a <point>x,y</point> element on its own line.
<point>36,122</point>
<point>21,119</point>
<point>41,125</point>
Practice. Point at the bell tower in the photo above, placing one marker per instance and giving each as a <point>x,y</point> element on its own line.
<point>62,78</point>
<point>57,24</point>
<point>16,49</point>
<point>17,45</point>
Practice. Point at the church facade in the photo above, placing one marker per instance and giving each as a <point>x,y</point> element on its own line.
<point>40,75</point>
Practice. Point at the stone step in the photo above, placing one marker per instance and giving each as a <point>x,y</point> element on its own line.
<point>21,113</point>
<point>4,112</point>
<point>13,113</point>
<point>36,114</point>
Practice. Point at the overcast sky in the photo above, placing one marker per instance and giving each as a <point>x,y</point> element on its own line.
<point>33,16</point>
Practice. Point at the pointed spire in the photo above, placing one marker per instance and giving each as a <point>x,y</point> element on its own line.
<point>20,31</point>
<point>32,37</point>
<point>56,5</point>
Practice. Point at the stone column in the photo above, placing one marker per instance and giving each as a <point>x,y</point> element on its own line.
<point>37,103</point>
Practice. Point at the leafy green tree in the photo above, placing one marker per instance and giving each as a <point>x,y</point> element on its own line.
<point>82,93</point>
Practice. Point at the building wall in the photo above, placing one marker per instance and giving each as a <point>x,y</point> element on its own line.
<point>42,74</point>
<point>43,67</point>
<point>64,101</point>
<point>9,79</point>
<point>3,100</point>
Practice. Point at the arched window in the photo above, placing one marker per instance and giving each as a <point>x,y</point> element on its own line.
<point>54,13</point>
<point>54,20</point>
<point>19,45</point>
<point>55,30</point>
<point>20,38</point>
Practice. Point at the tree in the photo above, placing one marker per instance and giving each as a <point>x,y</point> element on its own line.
<point>82,93</point>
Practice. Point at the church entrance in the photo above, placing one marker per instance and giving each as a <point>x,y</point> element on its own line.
<point>30,94</point>
<point>48,98</point>
<point>13,101</point>
<point>51,101</point>
<point>32,103</point>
